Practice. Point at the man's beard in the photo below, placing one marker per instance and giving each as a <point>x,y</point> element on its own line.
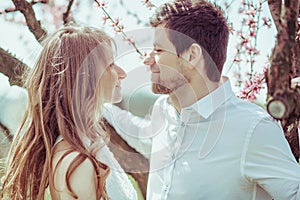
<point>166,87</point>
<point>160,89</point>
<point>163,88</point>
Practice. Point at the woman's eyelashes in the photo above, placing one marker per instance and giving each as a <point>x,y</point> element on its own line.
<point>111,65</point>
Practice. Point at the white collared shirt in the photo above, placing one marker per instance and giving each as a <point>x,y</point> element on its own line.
<point>218,148</point>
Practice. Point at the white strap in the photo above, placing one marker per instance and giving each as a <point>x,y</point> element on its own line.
<point>58,139</point>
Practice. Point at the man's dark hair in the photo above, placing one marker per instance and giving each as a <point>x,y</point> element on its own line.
<point>201,22</point>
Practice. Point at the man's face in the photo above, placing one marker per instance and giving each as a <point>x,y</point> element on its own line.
<point>168,70</point>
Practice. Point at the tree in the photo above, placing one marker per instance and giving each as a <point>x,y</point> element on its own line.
<point>283,101</point>
<point>282,98</point>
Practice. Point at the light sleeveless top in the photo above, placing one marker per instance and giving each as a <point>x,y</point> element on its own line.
<point>118,185</point>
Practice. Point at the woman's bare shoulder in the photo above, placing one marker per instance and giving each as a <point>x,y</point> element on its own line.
<point>82,180</point>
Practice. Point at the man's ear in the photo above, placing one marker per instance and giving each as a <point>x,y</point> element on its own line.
<point>195,54</point>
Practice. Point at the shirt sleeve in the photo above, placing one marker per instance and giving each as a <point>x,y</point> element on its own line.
<point>270,163</point>
<point>131,128</point>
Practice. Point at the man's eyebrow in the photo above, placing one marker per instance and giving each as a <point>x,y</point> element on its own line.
<point>157,44</point>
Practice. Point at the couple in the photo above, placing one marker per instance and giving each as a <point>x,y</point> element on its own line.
<point>202,142</point>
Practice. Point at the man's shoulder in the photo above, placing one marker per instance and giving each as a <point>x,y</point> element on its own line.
<point>242,107</point>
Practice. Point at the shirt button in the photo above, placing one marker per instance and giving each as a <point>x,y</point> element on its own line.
<point>166,188</point>
<point>173,156</point>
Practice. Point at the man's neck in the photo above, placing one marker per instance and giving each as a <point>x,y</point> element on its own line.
<point>190,93</point>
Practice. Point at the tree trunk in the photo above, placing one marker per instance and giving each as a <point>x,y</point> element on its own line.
<point>282,98</point>
<point>131,161</point>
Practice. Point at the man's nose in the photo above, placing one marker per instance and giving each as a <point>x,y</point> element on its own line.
<point>149,60</point>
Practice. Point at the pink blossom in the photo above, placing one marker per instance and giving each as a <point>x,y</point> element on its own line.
<point>266,69</point>
<point>105,18</point>
<point>130,41</point>
<point>252,50</point>
<point>251,97</point>
<point>148,4</point>
<point>244,42</point>
<point>143,56</point>
<point>267,22</point>
<point>117,21</point>
<point>252,34</point>
<point>237,60</point>
<point>230,28</point>
<point>119,28</point>
<point>249,12</point>
<point>252,86</point>
<point>102,4</point>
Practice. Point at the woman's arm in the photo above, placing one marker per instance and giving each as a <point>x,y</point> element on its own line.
<point>136,131</point>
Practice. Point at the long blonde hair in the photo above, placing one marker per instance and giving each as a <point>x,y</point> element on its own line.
<point>64,90</point>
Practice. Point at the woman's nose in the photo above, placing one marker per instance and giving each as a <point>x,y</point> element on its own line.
<point>121,73</point>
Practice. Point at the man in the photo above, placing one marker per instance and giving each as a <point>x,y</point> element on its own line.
<point>202,141</point>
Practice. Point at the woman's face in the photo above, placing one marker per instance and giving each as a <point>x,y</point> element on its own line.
<point>111,75</point>
<point>111,81</point>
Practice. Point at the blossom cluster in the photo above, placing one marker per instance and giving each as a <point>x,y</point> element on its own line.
<point>252,84</point>
<point>148,4</point>
<point>245,58</point>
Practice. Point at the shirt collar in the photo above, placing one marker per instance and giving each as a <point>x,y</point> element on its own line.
<point>211,102</point>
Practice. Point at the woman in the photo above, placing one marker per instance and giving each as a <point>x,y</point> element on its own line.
<point>60,143</point>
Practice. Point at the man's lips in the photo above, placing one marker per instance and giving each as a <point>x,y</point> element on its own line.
<point>154,68</point>
<point>155,77</point>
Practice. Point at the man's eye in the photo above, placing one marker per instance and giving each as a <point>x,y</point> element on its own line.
<point>157,50</point>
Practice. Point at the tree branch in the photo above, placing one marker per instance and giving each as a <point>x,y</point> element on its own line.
<point>275,9</point>
<point>66,15</point>
<point>12,67</point>
<point>6,132</point>
<point>131,161</point>
<point>131,13</point>
<point>33,24</point>
<point>8,10</point>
